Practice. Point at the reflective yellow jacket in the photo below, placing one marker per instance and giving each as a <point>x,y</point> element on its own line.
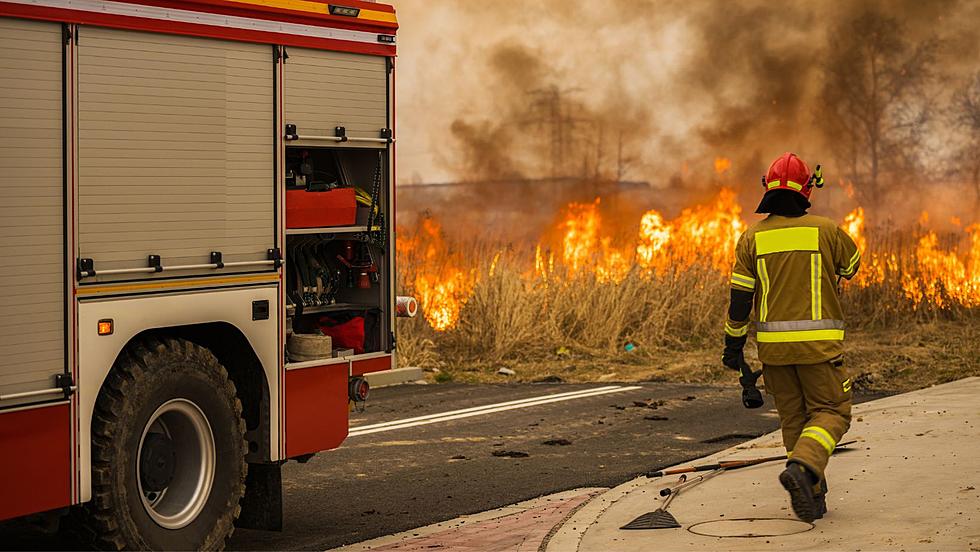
<point>792,265</point>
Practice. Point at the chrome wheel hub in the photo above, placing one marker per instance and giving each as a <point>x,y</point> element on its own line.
<point>176,462</point>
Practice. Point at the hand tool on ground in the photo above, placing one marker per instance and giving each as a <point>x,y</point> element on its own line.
<point>661,518</point>
<point>684,483</point>
<point>730,464</point>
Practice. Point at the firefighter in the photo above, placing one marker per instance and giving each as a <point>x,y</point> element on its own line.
<point>787,267</point>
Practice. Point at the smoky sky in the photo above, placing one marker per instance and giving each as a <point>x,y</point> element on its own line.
<point>643,90</point>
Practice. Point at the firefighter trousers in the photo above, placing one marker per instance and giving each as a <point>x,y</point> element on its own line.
<point>814,404</point>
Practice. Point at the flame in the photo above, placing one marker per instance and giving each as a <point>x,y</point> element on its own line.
<point>441,286</point>
<point>655,235</point>
<point>615,263</point>
<point>854,226</point>
<point>873,266</point>
<point>945,278</point>
<point>581,235</point>
<point>938,270</point>
<point>703,233</point>
<point>928,274</point>
<point>722,165</point>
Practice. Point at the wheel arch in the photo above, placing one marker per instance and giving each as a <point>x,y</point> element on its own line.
<point>221,321</point>
<point>232,349</point>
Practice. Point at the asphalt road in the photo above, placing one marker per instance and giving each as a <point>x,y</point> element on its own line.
<point>382,483</point>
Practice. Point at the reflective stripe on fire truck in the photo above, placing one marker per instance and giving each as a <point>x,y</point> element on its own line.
<point>821,436</point>
<point>204,18</point>
<point>743,281</point>
<point>319,8</point>
<point>270,278</point>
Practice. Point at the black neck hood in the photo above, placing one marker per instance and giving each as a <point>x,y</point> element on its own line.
<point>785,203</point>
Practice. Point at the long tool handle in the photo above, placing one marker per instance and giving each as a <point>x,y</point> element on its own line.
<point>727,464</point>
<point>674,490</point>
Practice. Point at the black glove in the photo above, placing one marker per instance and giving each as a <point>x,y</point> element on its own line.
<point>733,358</point>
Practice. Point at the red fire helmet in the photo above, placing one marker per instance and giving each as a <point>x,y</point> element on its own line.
<point>788,172</point>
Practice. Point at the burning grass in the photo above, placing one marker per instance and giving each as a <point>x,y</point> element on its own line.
<point>587,304</point>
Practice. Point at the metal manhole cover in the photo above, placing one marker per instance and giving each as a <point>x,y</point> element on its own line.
<point>750,527</point>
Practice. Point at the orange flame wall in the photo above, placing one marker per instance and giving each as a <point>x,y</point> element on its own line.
<point>443,280</point>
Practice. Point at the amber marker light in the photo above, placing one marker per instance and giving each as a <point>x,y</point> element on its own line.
<point>105,326</point>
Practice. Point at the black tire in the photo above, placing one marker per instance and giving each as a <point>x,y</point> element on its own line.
<point>149,375</point>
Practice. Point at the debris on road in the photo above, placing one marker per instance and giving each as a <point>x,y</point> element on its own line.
<point>650,403</point>
<point>510,454</point>
<point>730,437</point>
<point>557,442</point>
<point>656,418</point>
<point>458,457</point>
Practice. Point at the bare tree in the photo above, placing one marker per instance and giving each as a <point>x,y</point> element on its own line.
<point>873,105</point>
<point>966,116</point>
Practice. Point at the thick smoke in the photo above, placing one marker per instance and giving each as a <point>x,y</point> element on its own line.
<point>646,90</point>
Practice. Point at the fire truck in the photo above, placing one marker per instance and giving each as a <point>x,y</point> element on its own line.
<point>188,189</point>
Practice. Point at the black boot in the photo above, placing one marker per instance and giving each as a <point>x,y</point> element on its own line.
<point>820,495</point>
<point>799,482</point>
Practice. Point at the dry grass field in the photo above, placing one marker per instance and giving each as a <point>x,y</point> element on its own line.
<point>585,308</point>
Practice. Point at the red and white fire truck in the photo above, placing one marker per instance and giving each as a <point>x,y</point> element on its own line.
<point>186,186</point>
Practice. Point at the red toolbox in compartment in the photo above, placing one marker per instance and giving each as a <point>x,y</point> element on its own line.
<point>337,207</point>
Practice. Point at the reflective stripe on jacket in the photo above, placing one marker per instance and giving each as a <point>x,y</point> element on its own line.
<point>791,264</point>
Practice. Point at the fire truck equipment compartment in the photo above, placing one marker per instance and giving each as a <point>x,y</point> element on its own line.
<point>349,334</point>
<point>305,347</point>
<point>337,207</point>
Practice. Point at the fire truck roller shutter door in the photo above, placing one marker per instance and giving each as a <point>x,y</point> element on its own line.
<point>175,151</point>
<point>32,262</point>
<point>323,90</point>
<point>35,470</point>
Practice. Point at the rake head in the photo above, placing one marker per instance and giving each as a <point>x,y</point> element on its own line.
<point>657,519</point>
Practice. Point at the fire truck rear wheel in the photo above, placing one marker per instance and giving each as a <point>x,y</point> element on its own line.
<point>168,451</point>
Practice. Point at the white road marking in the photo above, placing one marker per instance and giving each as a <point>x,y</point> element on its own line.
<point>486,409</point>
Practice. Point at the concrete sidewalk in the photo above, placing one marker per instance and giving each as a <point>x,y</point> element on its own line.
<point>911,482</point>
